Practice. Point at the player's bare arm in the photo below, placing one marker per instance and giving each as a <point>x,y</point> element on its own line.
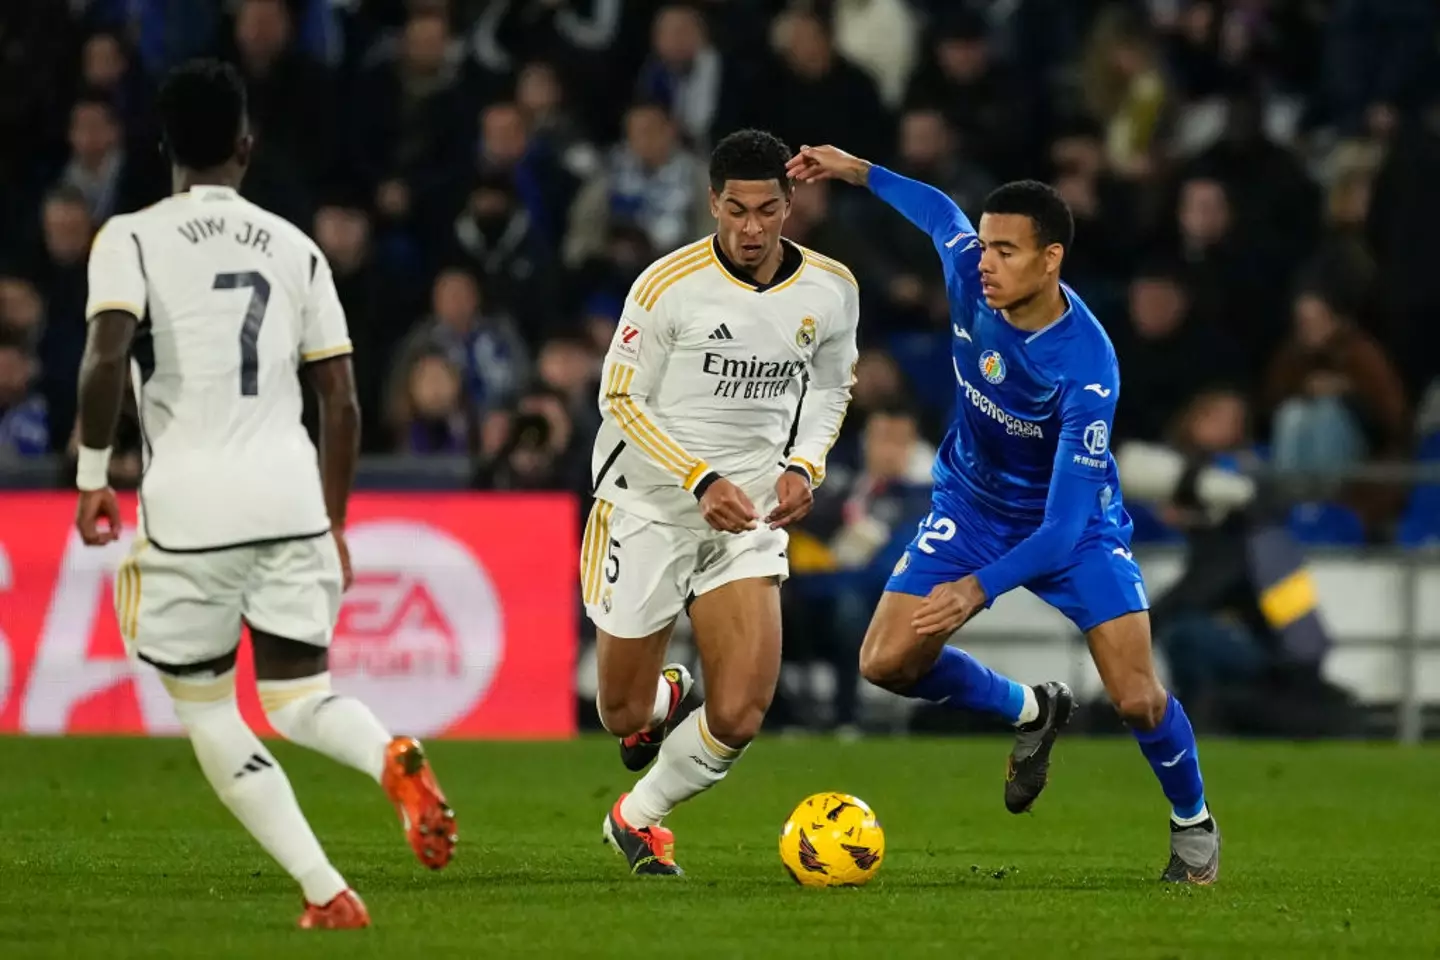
<point>948,607</point>
<point>102,392</point>
<point>333,380</point>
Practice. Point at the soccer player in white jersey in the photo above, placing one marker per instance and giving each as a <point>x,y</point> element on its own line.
<point>722,392</point>
<point>218,305</point>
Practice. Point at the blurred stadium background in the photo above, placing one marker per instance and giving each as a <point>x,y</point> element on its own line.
<point>1256,193</point>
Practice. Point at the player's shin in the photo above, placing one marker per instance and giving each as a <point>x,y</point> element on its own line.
<point>960,681</point>
<point>1170,748</point>
<point>307,712</point>
<point>250,783</point>
<point>691,761</point>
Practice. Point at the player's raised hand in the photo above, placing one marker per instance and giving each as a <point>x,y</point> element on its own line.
<point>795,496</point>
<point>818,164</point>
<point>725,507</point>
<point>95,506</point>
<point>347,574</point>
<point>948,607</point>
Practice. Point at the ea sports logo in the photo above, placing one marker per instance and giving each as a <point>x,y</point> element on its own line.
<point>419,636</point>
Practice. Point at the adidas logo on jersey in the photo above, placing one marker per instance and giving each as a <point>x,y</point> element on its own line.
<point>721,332</point>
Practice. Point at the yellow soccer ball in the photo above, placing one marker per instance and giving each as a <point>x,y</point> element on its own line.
<point>832,840</point>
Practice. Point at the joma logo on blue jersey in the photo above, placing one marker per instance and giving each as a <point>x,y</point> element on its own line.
<point>1013,425</point>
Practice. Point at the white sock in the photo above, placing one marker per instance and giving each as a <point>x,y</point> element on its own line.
<point>250,782</point>
<point>306,712</point>
<point>1031,710</point>
<point>691,761</point>
<point>662,702</point>
<point>1200,817</point>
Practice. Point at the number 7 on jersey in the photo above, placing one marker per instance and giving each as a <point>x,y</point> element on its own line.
<point>250,329</point>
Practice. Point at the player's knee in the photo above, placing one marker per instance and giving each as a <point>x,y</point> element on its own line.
<point>621,715</point>
<point>1142,707</point>
<point>889,667</point>
<point>735,725</point>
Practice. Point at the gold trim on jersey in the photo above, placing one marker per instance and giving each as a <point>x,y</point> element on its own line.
<point>127,591</point>
<point>272,699</point>
<point>662,267</point>
<point>830,266</point>
<point>593,548</point>
<point>207,691</point>
<point>816,474</point>
<point>680,272</point>
<point>325,353</point>
<point>121,305</point>
<point>644,433</point>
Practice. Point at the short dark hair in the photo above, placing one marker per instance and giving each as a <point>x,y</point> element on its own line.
<point>1042,204</point>
<point>749,155</point>
<point>202,111</point>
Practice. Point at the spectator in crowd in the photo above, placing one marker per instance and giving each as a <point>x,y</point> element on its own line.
<point>651,181</point>
<point>412,131</point>
<point>686,74</point>
<point>540,95</point>
<point>1125,89</point>
<point>882,38</point>
<point>499,241</point>
<point>1336,399</point>
<point>290,98</point>
<point>108,175</point>
<point>22,311</point>
<point>483,346</point>
<point>24,424</point>
<point>540,450</point>
<point>812,224</point>
<point>378,302</point>
<point>1104,208</point>
<point>820,97</point>
<point>1167,357</point>
<point>107,70</point>
<point>428,412</point>
<point>60,276</point>
<point>983,103</point>
<point>543,188</point>
<point>570,368</point>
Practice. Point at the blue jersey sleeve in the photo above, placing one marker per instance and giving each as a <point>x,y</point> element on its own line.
<point>1078,484</point>
<point>932,211</point>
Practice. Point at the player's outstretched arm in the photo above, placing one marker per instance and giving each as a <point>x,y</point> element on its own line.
<point>921,204</point>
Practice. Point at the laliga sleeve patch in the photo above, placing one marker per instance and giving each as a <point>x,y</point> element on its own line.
<point>627,340</point>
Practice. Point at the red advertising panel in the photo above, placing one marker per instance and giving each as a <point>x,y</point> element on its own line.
<point>462,621</point>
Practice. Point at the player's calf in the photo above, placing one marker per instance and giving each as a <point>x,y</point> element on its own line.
<point>674,701</point>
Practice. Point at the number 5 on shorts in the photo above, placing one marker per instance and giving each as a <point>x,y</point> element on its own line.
<point>612,561</point>
<point>937,529</point>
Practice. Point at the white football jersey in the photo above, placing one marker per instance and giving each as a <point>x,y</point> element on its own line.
<point>232,300</point>
<point>705,376</point>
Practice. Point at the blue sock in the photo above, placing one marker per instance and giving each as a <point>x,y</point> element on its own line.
<point>959,680</point>
<point>1172,753</point>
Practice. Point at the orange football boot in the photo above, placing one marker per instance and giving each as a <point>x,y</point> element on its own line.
<point>346,912</point>
<point>410,783</point>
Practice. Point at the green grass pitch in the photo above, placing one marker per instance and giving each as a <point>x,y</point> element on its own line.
<point>117,848</point>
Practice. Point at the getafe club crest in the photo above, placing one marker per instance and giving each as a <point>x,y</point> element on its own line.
<point>805,336</point>
<point>992,366</point>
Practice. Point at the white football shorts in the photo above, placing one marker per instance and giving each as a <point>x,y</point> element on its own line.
<point>177,609</point>
<point>637,574</point>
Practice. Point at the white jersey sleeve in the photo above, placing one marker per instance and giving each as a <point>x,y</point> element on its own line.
<point>827,395</point>
<point>116,271</point>
<point>323,332</point>
<point>634,367</point>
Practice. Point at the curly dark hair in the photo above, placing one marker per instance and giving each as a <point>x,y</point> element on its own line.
<point>1042,204</point>
<point>202,113</point>
<point>749,155</point>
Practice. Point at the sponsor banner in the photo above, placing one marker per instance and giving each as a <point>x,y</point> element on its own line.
<point>462,621</point>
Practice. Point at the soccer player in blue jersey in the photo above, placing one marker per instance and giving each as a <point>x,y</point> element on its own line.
<point>1026,494</point>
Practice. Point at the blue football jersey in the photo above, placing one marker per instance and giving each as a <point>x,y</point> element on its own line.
<point>1028,449</point>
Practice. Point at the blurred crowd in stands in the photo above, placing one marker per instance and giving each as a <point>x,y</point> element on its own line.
<point>1256,185</point>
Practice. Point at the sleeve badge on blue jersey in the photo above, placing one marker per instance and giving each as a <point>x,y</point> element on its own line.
<point>1097,438</point>
<point>901,565</point>
<point>992,366</point>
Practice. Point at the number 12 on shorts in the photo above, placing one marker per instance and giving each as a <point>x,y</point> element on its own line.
<point>934,530</point>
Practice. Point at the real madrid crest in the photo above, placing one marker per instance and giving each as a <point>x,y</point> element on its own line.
<point>805,336</point>
<point>607,599</point>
